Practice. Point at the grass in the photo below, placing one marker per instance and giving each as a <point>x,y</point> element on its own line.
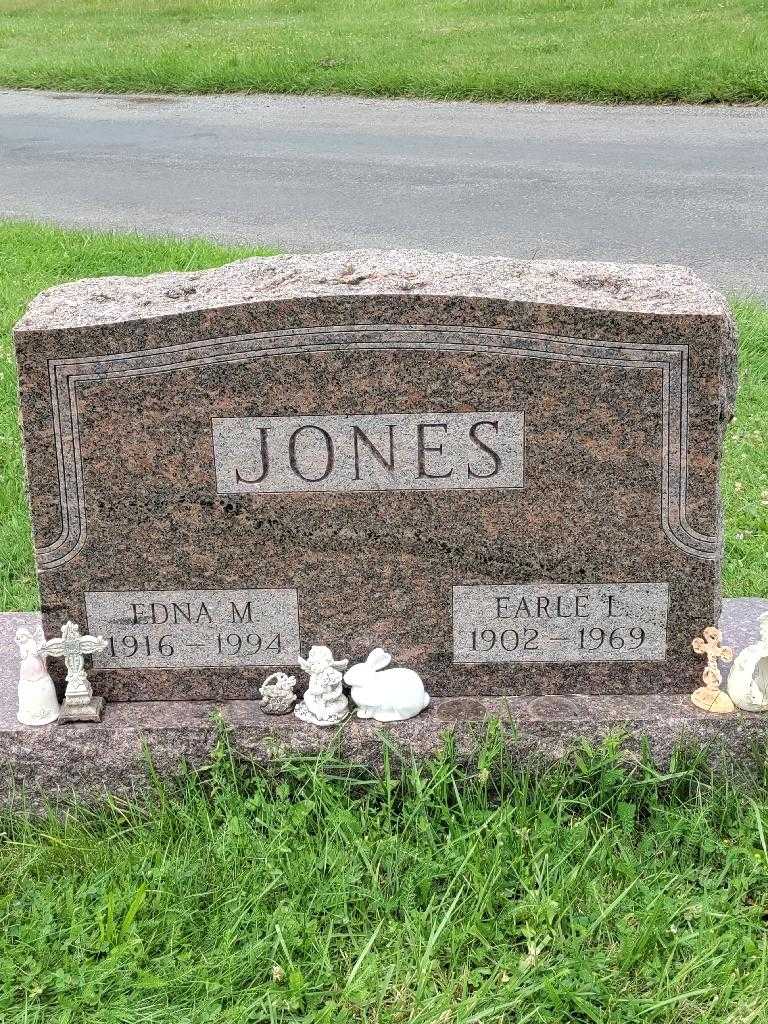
<point>745,465</point>
<point>592,891</point>
<point>34,257</point>
<point>583,50</point>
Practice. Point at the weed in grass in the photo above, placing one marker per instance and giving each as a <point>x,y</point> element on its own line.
<point>632,51</point>
<point>595,890</point>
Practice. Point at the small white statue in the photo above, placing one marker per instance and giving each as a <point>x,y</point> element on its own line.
<point>325,703</point>
<point>79,703</point>
<point>38,704</point>
<point>748,679</point>
<point>390,696</point>
<point>277,696</point>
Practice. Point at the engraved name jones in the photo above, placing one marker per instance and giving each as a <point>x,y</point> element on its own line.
<point>424,451</point>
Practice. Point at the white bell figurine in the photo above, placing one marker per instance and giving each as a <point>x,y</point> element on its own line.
<point>390,696</point>
<point>38,704</point>
<point>748,679</point>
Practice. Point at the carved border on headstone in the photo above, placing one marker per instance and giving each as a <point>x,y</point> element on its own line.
<point>66,375</point>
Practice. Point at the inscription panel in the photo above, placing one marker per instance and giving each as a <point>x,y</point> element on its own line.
<point>171,629</point>
<point>413,451</point>
<point>558,622</point>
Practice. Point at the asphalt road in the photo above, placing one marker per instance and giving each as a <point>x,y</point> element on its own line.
<point>657,184</point>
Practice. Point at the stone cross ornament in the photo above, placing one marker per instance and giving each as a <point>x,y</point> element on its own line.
<point>79,703</point>
<point>710,697</point>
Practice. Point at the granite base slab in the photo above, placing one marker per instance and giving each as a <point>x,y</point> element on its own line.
<point>91,759</point>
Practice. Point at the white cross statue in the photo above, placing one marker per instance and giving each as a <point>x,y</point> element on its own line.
<point>71,647</point>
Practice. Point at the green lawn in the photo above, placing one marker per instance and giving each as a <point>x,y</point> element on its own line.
<point>33,257</point>
<point>589,893</point>
<point>595,50</point>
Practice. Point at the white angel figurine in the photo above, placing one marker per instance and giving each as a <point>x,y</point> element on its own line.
<point>324,703</point>
<point>748,679</point>
<point>38,704</point>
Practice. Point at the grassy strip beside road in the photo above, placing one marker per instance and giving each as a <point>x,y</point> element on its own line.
<point>591,891</point>
<point>34,257</point>
<point>586,50</point>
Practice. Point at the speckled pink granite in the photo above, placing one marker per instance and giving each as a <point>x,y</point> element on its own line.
<point>122,377</point>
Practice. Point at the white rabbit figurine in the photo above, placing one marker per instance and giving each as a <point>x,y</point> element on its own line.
<point>390,696</point>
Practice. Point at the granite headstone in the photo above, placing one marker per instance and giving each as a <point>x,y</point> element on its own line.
<point>505,473</point>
